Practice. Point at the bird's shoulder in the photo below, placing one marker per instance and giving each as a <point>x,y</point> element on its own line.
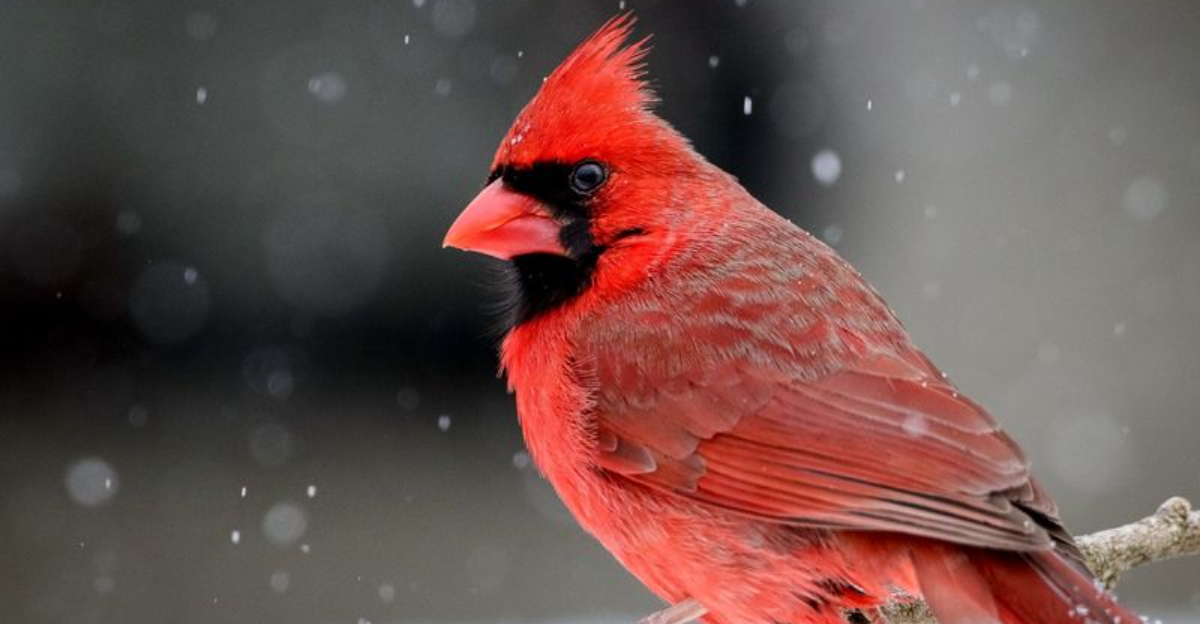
<point>755,287</point>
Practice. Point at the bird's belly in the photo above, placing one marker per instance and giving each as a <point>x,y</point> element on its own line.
<point>745,571</point>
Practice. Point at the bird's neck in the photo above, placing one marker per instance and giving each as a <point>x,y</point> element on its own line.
<point>536,357</point>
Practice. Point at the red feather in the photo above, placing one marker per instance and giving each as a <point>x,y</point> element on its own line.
<point>735,414</point>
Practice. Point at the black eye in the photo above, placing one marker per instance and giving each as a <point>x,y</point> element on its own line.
<point>587,177</point>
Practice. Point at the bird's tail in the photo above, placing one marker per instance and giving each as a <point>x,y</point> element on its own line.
<point>978,586</point>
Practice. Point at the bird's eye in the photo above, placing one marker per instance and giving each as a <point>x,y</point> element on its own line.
<point>587,177</point>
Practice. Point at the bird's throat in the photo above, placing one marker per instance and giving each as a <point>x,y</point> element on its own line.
<point>539,283</point>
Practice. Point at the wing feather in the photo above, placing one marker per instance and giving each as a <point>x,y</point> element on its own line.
<point>880,445</point>
<point>773,382</point>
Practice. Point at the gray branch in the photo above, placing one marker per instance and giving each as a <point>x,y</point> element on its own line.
<point>1173,531</point>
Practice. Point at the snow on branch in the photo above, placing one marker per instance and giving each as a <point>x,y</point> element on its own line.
<point>1173,531</point>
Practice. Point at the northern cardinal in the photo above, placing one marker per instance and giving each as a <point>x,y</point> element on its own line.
<point>725,403</point>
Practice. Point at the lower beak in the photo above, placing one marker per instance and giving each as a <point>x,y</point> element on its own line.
<point>504,224</point>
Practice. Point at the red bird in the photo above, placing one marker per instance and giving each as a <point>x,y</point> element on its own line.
<point>725,403</point>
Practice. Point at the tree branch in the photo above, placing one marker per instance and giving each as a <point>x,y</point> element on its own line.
<point>1173,531</point>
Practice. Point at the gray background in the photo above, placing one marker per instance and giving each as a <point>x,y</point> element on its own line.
<point>219,269</point>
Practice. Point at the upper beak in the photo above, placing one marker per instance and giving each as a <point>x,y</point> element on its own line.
<point>504,224</point>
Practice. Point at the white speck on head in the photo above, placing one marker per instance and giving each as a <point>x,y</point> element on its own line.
<point>955,98</point>
<point>520,53</point>
<point>189,275</point>
<point>827,167</point>
<point>832,234</point>
<point>747,105</point>
<point>305,548</point>
<point>621,5</point>
<point>244,490</point>
<point>418,3</point>
<point>870,104</point>
<point>443,422</point>
<point>443,87</point>
<point>311,491</point>
<point>740,3</point>
<point>1146,197</point>
<point>201,95</point>
<point>973,73</point>
<point>520,460</point>
<point>387,592</point>
<point>714,61</point>
<point>899,175</point>
<point>235,537</point>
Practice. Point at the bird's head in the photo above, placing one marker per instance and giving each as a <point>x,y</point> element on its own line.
<point>583,183</point>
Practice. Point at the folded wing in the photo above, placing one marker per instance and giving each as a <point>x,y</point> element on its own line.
<point>882,444</point>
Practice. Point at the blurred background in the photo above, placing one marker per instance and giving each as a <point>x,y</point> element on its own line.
<point>242,383</point>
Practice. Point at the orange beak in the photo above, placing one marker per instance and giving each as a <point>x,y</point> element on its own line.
<point>504,224</point>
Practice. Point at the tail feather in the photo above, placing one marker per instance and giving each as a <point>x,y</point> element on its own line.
<point>978,586</point>
<point>954,590</point>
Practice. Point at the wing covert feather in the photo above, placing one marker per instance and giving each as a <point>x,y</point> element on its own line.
<point>879,445</point>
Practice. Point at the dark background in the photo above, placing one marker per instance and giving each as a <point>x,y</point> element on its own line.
<point>220,273</point>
